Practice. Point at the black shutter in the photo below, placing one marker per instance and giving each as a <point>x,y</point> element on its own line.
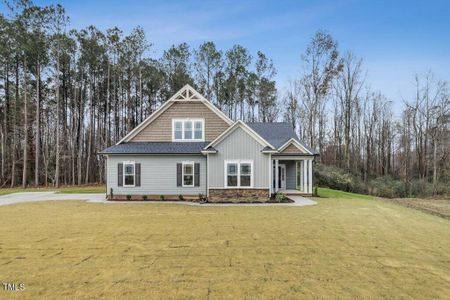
<point>137,173</point>
<point>197,174</point>
<point>120,174</point>
<point>179,174</point>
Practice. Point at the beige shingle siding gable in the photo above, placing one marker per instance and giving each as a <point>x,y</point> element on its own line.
<point>292,149</point>
<point>160,130</point>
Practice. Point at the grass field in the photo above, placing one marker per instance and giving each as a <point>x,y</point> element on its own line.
<point>63,190</point>
<point>340,248</point>
<point>330,193</point>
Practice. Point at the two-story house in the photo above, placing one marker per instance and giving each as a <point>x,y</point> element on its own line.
<point>189,147</point>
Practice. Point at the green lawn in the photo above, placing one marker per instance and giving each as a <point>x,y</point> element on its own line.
<point>329,193</point>
<point>63,190</point>
<point>340,248</point>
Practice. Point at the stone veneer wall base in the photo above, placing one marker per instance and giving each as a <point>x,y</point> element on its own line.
<point>238,195</point>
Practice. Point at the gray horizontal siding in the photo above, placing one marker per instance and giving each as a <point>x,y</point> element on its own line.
<point>239,145</point>
<point>158,175</point>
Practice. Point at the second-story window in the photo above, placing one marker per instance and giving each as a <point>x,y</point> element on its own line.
<point>188,130</point>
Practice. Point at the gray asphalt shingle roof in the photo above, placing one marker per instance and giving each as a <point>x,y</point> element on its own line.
<point>156,148</point>
<point>277,133</point>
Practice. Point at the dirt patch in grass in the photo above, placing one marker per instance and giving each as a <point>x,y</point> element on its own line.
<point>438,207</point>
<point>340,248</point>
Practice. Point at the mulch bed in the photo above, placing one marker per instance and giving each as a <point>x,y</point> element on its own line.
<point>215,202</point>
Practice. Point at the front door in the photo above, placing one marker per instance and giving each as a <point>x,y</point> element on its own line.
<point>282,176</point>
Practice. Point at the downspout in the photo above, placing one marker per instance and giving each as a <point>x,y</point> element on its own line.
<point>270,175</point>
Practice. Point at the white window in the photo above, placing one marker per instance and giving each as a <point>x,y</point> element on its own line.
<point>188,174</point>
<point>128,174</point>
<point>188,130</point>
<point>238,173</point>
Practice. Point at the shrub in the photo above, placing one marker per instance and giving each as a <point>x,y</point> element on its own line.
<point>161,197</point>
<point>280,197</point>
<point>383,186</point>
<point>128,197</point>
<point>180,197</point>
<point>335,178</point>
<point>144,197</point>
<point>202,198</point>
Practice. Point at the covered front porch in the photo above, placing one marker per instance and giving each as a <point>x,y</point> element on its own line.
<point>294,175</point>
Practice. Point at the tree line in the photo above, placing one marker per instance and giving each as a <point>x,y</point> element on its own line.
<point>354,127</point>
<point>67,94</point>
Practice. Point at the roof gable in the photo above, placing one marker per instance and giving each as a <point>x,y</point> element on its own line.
<point>246,128</point>
<point>278,133</point>
<point>187,95</point>
<point>293,146</point>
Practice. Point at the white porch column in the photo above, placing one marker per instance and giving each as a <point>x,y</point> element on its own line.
<point>300,166</point>
<point>305,177</point>
<point>270,176</point>
<point>310,176</point>
<point>276,175</point>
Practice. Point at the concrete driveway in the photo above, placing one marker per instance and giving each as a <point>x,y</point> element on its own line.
<point>100,198</point>
<point>48,196</point>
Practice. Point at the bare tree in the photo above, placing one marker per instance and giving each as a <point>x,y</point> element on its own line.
<point>347,88</point>
<point>321,64</point>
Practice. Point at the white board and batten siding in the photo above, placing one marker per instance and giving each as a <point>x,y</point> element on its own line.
<point>158,175</point>
<point>239,145</point>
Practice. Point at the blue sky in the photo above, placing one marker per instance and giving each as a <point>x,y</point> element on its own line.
<point>396,39</point>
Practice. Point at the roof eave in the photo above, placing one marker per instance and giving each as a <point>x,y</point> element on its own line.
<point>209,151</point>
<point>152,153</point>
<point>269,151</point>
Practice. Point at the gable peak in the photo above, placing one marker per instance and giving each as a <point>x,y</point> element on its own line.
<point>187,93</point>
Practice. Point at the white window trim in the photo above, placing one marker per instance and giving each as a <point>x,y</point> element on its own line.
<point>238,162</point>
<point>193,173</point>
<point>193,139</point>
<point>124,173</point>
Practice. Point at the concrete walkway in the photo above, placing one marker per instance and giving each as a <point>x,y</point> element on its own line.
<point>100,198</point>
